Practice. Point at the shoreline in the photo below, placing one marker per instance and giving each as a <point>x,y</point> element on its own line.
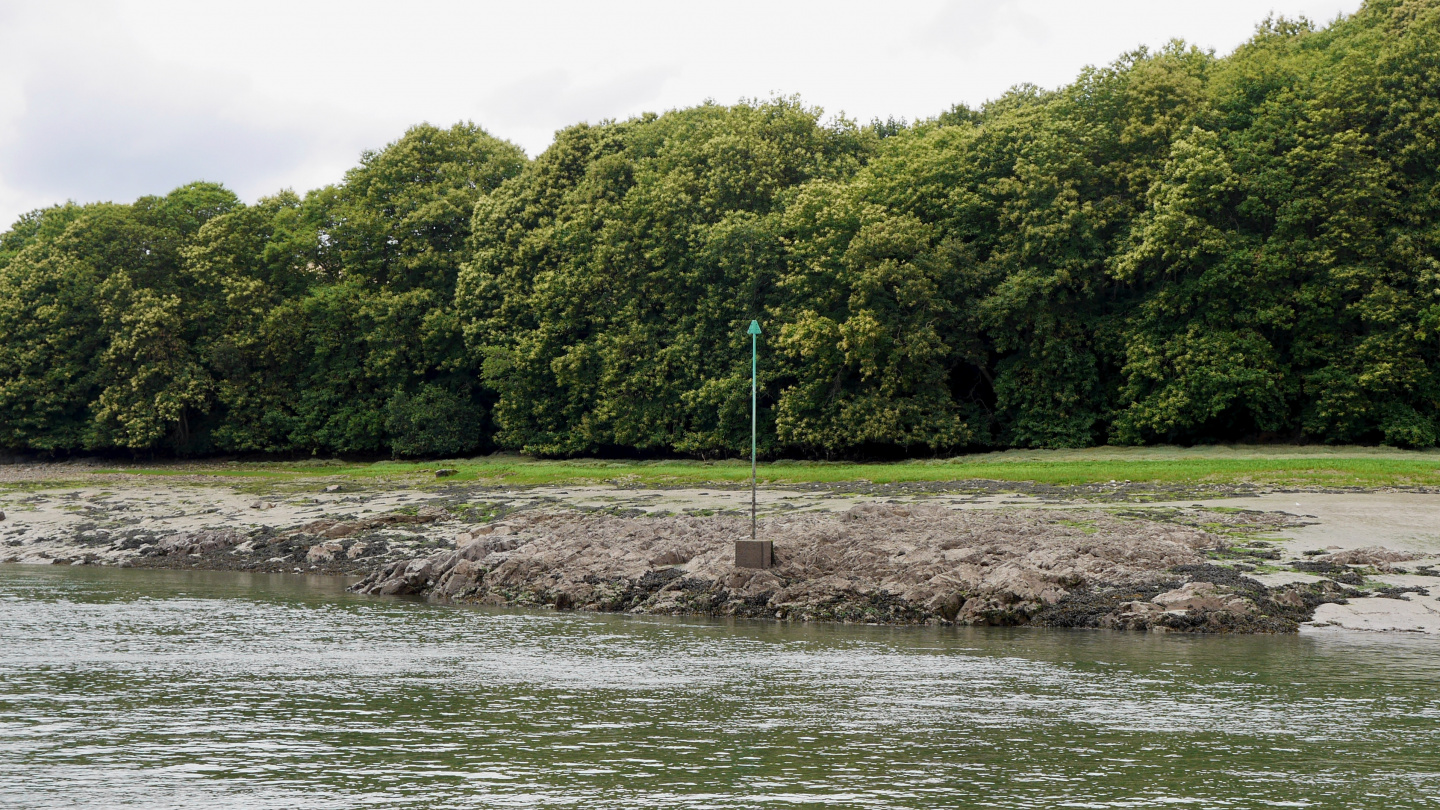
<point>1233,560</point>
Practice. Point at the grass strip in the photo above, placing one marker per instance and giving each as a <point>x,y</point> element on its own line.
<point>1342,467</point>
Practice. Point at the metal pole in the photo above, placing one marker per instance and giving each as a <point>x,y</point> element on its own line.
<point>752,553</point>
<point>754,363</point>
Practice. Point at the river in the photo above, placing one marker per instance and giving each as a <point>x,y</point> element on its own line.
<point>160,689</point>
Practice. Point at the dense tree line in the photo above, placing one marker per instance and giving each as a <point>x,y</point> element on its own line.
<point>1174,248</point>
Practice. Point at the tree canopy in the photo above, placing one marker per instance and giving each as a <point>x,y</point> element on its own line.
<point>1176,247</point>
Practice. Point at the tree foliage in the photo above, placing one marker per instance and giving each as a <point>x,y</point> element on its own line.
<point>1176,247</point>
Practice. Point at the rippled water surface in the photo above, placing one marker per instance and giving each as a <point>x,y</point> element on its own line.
<point>182,689</point>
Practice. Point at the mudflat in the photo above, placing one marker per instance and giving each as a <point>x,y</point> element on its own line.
<point>1117,555</point>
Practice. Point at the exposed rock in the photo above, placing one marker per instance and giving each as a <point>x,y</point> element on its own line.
<point>1371,555</point>
<point>335,529</point>
<point>1140,568</point>
<point>1339,573</point>
<point>1134,615</point>
<point>1288,597</point>
<point>1202,596</point>
<point>406,576</point>
<point>197,542</point>
<point>874,563</point>
<point>333,488</point>
<point>343,529</point>
<point>324,552</point>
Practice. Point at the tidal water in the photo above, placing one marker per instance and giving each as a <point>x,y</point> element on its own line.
<point>123,688</point>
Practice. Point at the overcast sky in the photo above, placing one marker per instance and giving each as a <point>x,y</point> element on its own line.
<point>112,100</point>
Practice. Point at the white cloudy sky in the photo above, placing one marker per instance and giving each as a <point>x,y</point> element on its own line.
<point>111,100</point>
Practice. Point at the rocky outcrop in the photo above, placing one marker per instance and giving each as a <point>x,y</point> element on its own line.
<point>874,563</point>
<point>197,542</point>
<point>336,529</point>
<point>1370,555</point>
<point>1195,598</point>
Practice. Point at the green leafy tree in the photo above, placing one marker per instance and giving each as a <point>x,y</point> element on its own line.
<point>97,334</point>
<point>612,281</point>
<point>1176,247</point>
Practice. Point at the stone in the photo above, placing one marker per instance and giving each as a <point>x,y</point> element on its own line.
<point>199,542</point>
<point>446,473</point>
<point>669,557</point>
<point>1288,597</point>
<point>323,552</point>
<point>947,605</point>
<point>1370,555</point>
<point>404,577</point>
<point>356,550</point>
<point>316,527</point>
<point>2,515</point>
<point>336,529</point>
<point>1134,615</point>
<point>1201,596</point>
<point>333,488</point>
<point>342,529</point>
<point>500,543</point>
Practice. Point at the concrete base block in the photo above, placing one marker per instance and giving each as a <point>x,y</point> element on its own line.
<point>754,554</point>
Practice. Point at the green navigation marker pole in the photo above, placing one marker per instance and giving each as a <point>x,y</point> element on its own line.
<point>754,332</point>
<point>753,553</point>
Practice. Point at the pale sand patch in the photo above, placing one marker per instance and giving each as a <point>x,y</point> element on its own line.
<point>1413,614</point>
<point>1398,520</point>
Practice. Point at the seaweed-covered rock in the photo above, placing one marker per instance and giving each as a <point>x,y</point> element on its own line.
<point>1370,555</point>
<point>874,563</point>
<point>198,542</point>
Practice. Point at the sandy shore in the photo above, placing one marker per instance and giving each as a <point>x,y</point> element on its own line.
<point>1003,554</point>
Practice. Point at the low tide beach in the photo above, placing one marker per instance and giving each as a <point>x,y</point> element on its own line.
<point>1119,555</point>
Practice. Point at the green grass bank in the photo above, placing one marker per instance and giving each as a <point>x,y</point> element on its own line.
<point>1220,464</point>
